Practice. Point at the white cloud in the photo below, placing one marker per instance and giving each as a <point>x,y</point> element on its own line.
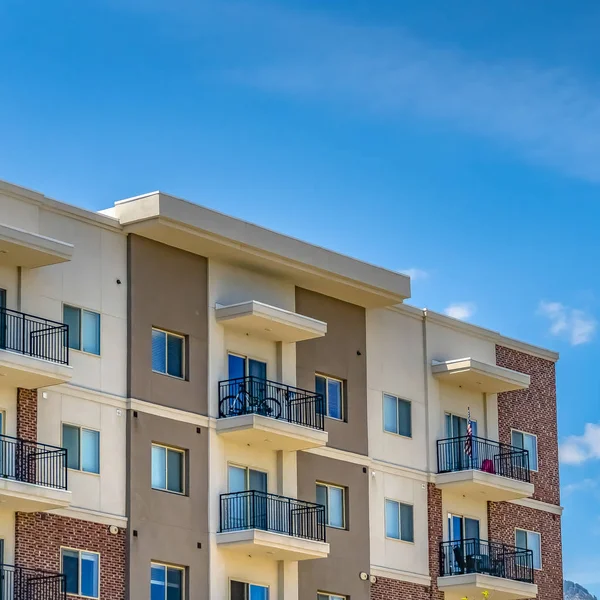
<point>572,324</point>
<point>579,486</point>
<point>415,273</point>
<point>460,310</point>
<point>577,449</point>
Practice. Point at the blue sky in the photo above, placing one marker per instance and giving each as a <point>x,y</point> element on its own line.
<point>457,139</point>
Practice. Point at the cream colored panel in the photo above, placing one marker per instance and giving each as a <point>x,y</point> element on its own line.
<point>113,364</point>
<point>17,213</point>
<point>465,507</point>
<point>8,405</point>
<point>7,533</point>
<point>9,282</point>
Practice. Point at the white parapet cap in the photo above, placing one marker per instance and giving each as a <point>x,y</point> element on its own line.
<point>209,233</point>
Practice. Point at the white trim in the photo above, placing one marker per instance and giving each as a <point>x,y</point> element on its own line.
<point>81,428</point>
<point>183,468</point>
<point>326,399</point>
<point>169,566</point>
<point>92,516</point>
<point>248,583</point>
<point>554,509</point>
<point>397,398</point>
<point>81,310</point>
<point>166,412</point>
<point>328,486</point>
<point>79,552</point>
<point>386,499</point>
<point>183,352</point>
<point>399,575</point>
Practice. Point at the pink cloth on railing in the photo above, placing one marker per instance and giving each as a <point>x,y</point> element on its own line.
<point>488,466</point>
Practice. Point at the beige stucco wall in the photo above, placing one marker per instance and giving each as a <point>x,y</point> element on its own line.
<point>464,506</point>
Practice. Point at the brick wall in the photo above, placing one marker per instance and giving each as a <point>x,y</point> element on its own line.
<point>27,414</point>
<point>435,528</point>
<point>504,517</point>
<point>534,411</point>
<point>39,537</point>
<point>391,589</point>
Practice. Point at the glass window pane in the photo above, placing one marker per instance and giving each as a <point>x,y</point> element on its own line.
<point>407,523</point>
<point>238,590</point>
<point>175,356</point>
<point>521,539</point>
<point>336,507</point>
<point>534,544</point>
<point>517,439</point>
<point>89,574</point>
<point>159,350</point>
<point>323,597</point>
<point>91,332</point>
<point>157,582</point>
<point>334,398</point>
<point>392,519</point>
<point>70,568</point>
<point>471,529</point>
<point>174,584</point>
<point>258,592</point>
<point>237,366</point>
<point>175,471</point>
<point>257,481</point>
<point>90,451</point>
<point>390,414</point>
<point>322,497</point>
<point>72,318</point>
<point>257,369</point>
<point>404,418</point>
<point>320,388</point>
<point>530,443</point>
<point>159,467</point>
<point>70,436</point>
<point>237,479</point>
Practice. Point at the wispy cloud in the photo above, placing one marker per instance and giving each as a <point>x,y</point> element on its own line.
<point>579,486</point>
<point>460,310</point>
<point>574,325</point>
<point>415,273</point>
<point>577,449</point>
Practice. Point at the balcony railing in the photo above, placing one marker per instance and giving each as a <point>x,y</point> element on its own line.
<point>488,558</point>
<point>34,336</point>
<point>19,583</point>
<point>485,455</point>
<point>269,512</point>
<point>252,395</point>
<point>31,462</point>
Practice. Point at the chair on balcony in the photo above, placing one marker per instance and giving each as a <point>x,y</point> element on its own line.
<point>459,559</point>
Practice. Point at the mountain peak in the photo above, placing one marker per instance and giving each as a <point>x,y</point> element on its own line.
<point>574,591</point>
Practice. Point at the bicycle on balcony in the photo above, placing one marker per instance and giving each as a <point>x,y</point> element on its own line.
<point>250,398</point>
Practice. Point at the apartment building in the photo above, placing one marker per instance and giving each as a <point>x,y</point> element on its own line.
<point>194,407</point>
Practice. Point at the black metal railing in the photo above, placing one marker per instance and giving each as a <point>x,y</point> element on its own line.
<point>34,336</point>
<point>32,462</point>
<point>485,455</point>
<point>252,395</point>
<point>269,512</point>
<point>489,558</point>
<point>19,583</point>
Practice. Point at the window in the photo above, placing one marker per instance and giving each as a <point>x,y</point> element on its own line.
<point>331,390</point>
<point>530,540</point>
<point>84,329</point>
<point>527,441</point>
<point>396,415</point>
<point>332,497</point>
<point>242,479</point>
<point>83,448</point>
<point>323,596</point>
<point>167,353</point>
<point>167,469</point>
<point>82,572</point>
<point>241,366</point>
<point>399,523</point>
<point>247,591</point>
<point>166,582</point>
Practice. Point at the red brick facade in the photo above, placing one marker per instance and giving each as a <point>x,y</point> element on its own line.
<point>533,411</point>
<point>40,536</point>
<point>391,589</point>
<point>27,414</point>
<point>435,529</point>
<point>504,518</point>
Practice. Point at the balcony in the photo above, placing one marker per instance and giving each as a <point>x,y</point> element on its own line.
<point>277,416</point>
<point>19,583</point>
<point>33,476</point>
<point>469,567</point>
<point>260,524</point>
<point>491,471</point>
<point>33,351</point>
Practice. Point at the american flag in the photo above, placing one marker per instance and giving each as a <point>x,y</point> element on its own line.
<point>469,440</point>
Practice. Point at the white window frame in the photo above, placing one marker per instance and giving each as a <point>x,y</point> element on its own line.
<point>247,582</point>
<point>330,596</point>
<point>399,502</point>
<point>183,353</point>
<point>540,536</point>
<point>339,487</point>
<point>398,398</point>
<point>537,451</point>
<point>183,465</point>
<point>81,310</point>
<point>326,399</point>
<point>169,566</point>
<point>79,551</point>
<point>81,428</point>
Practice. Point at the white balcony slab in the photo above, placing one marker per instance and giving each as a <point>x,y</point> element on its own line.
<point>480,485</point>
<point>21,370</point>
<point>471,585</point>
<point>20,248</point>
<point>28,497</point>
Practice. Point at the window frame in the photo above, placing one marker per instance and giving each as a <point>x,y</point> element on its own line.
<point>158,563</point>
<point>328,378</point>
<point>398,399</point>
<point>81,310</point>
<point>539,534</point>
<point>330,596</point>
<point>246,468</point>
<point>247,358</point>
<point>248,583</point>
<point>183,469</point>
<point>328,486</point>
<point>398,502</point>
<point>537,453</point>
<point>183,354</point>
<point>81,427</point>
<point>79,551</point>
